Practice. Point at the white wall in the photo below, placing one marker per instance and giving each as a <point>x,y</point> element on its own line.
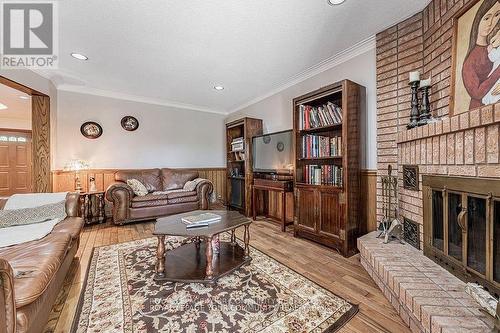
<point>167,137</point>
<point>276,110</point>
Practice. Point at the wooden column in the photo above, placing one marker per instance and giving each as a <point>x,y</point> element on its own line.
<point>41,143</point>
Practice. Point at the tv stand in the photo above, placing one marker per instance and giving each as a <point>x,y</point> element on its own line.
<point>275,183</point>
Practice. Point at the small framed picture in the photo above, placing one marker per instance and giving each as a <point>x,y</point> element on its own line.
<point>91,130</point>
<point>130,123</point>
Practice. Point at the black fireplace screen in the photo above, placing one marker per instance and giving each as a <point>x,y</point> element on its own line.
<point>496,241</point>
<point>437,218</point>
<point>476,234</point>
<point>462,227</point>
<point>454,229</point>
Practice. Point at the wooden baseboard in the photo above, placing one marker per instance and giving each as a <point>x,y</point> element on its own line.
<point>65,180</point>
<point>368,198</point>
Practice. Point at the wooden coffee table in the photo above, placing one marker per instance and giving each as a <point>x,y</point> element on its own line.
<point>194,261</point>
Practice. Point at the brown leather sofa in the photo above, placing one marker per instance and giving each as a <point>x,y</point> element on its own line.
<point>128,207</point>
<point>32,273</point>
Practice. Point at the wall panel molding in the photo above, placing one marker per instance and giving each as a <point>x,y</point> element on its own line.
<point>65,180</point>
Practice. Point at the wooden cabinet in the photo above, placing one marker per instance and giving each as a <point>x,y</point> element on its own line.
<point>329,214</point>
<point>327,170</point>
<point>306,218</point>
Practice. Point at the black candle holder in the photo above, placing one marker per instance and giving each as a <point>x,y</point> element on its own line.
<point>425,114</point>
<point>414,113</point>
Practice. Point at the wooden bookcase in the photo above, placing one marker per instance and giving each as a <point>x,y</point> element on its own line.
<point>325,213</point>
<point>239,184</point>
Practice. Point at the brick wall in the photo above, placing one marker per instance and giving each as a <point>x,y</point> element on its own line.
<point>465,145</point>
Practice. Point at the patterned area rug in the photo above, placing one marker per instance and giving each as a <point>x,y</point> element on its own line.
<point>263,296</point>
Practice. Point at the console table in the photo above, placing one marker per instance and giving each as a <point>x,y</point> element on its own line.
<point>281,186</point>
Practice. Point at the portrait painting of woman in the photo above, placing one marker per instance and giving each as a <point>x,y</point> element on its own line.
<point>477,57</point>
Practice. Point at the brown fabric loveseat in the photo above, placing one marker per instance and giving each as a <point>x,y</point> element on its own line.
<point>32,273</point>
<point>165,194</point>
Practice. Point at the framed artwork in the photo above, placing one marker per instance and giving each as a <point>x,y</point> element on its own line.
<point>91,130</point>
<point>130,123</point>
<point>475,71</point>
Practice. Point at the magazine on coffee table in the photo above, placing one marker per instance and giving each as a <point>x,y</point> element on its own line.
<point>201,220</point>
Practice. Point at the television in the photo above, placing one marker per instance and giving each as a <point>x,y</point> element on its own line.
<point>272,153</point>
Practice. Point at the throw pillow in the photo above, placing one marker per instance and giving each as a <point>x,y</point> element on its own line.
<point>138,187</point>
<point>25,216</point>
<point>191,184</point>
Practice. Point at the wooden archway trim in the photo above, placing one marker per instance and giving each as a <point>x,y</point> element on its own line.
<point>40,126</point>
<point>41,143</point>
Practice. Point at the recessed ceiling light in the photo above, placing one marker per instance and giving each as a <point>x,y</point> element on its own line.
<point>335,2</point>
<point>79,56</point>
<point>219,88</point>
<point>3,106</point>
<point>24,97</point>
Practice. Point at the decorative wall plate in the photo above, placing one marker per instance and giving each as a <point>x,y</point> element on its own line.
<point>91,130</point>
<point>130,123</point>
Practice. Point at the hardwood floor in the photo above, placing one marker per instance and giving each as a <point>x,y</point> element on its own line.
<point>344,277</point>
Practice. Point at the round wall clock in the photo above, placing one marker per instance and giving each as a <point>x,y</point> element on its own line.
<point>130,123</point>
<point>91,130</point>
<point>280,146</point>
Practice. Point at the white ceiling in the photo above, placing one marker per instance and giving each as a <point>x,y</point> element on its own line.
<point>175,51</point>
<point>17,108</point>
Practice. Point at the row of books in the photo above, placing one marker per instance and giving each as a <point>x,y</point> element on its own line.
<point>323,175</point>
<point>314,146</point>
<point>321,116</point>
<point>237,144</point>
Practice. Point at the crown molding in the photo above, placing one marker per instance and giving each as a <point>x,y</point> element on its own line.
<point>135,98</point>
<point>335,60</point>
<point>84,89</point>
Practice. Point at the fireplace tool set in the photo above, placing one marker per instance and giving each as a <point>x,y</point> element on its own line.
<point>390,226</point>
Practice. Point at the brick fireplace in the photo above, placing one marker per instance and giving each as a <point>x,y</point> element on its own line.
<point>464,144</point>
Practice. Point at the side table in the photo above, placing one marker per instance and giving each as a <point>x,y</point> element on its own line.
<point>280,186</point>
<point>92,207</point>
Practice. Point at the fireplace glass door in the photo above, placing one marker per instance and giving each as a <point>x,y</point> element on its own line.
<point>496,241</point>
<point>462,227</point>
<point>455,245</point>
<point>476,234</point>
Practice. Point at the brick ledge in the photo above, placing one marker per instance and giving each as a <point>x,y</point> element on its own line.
<point>486,115</point>
<point>427,297</point>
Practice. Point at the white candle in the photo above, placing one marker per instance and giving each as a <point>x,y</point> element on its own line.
<point>425,83</point>
<point>414,76</point>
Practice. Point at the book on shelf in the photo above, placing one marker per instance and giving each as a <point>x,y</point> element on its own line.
<point>237,144</point>
<point>323,175</point>
<point>237,147</point>
<point>319,116</point>
<point>200,220</point>
<point>314,146</point>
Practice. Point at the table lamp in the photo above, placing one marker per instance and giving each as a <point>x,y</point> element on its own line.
<point>77,166</point>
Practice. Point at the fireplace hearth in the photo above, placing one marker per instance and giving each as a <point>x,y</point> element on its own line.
<point>462,227</point>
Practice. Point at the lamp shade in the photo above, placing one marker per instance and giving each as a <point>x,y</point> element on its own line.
<point>76,165</point>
